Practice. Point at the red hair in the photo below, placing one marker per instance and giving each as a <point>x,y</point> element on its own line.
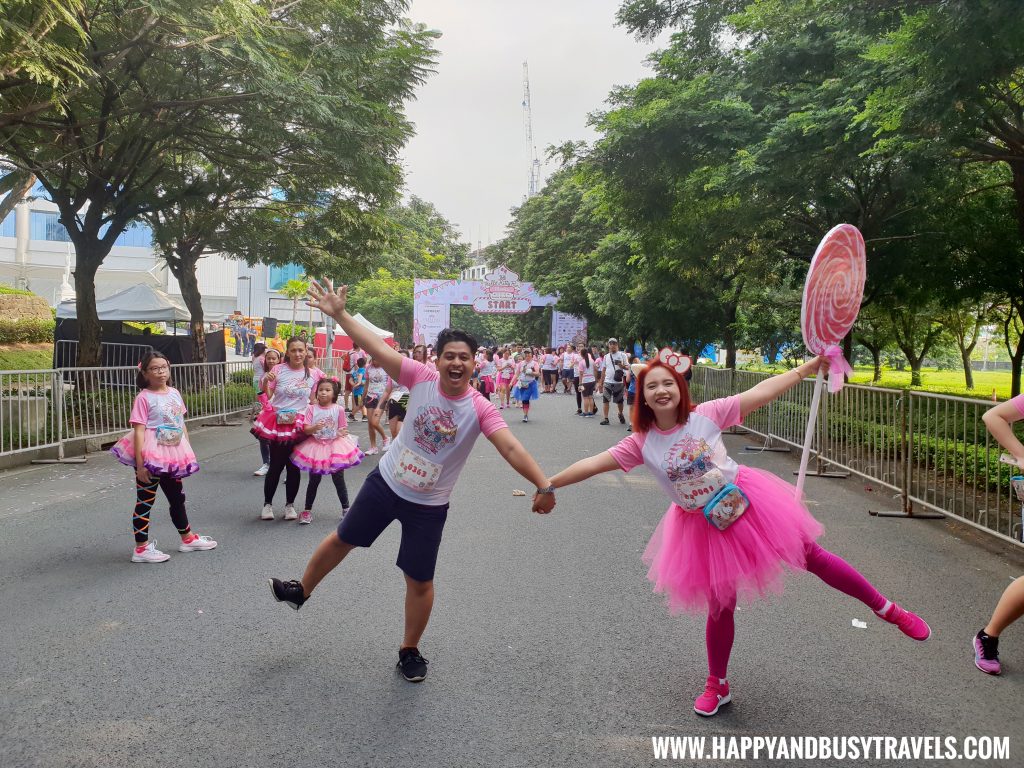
<point>643,416</point>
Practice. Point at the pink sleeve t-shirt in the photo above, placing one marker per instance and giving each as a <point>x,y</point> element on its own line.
<point>689,462</point>
<point>1018,401</point>
<point>427,456</point>
<point>155,409</point>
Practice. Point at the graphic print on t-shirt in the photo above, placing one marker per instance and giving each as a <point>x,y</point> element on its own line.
<point>694,475</point>
<point>435,428</point>
<point>171,412</point>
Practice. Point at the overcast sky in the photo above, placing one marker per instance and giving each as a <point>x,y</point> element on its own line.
<point>469,155</point>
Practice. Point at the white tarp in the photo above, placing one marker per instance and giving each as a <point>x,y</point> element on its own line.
<point>366,324</point>
<point>140,303</point>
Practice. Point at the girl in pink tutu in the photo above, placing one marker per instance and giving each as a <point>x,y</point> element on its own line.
<point>329,449</point>
<point>159,451</point>
<point>290,387</point>
<point>730,530</point>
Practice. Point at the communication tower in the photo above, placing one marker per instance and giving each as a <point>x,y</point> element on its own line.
<point>534,176</point>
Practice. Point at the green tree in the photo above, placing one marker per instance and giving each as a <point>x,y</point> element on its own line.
<point>295,289</point>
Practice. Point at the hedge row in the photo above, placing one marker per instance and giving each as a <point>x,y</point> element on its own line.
<point>28,331</point>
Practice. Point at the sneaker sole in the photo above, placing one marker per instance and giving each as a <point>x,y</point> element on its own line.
<point>410,679</point>
<point>975,651</point>
<point>727,699</point>
<point>150,562</point>
<point>305,522</point>
<point>187,548</point>
<point>286,602</point>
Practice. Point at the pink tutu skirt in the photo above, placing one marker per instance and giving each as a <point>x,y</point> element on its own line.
<point>701,569</point>
<point>326,458</point>
<point>488,382</point>
<point>267,428</point>
<point>174,460</point>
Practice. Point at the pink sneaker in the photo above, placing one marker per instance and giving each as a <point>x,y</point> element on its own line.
<point>910,624</point>
<point>305,517</point>
<point>986,654</point>
<point>715,695</point>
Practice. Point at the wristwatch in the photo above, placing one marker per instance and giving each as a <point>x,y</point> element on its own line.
<point>549,489</point>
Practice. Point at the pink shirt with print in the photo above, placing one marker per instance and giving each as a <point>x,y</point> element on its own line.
<point>426,458</point>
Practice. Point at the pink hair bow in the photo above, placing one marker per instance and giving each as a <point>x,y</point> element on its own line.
<point>838,368</point>
<point>678,363</point>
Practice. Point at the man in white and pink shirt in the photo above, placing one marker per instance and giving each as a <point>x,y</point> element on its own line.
<point>414,480</point>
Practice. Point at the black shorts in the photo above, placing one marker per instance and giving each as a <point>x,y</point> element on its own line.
<point>376,506</point>
<point>371,402</point>
<point>630,397</point>
<point>396,410</point>
<point>550,377</point>
<point>613,392</point>
<point>567,373</point>
<point>588,389</point>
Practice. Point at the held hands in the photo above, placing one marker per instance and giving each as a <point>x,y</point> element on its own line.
<point>543,503</point>
<point>327,299</point>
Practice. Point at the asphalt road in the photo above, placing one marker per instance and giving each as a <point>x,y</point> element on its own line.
<point>546,646</point>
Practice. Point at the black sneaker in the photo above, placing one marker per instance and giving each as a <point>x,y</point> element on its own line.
<point>604,422</point>
<point>412,666</point>
<point>290,592</point>
<point>622,419</point>
<point>579,412</point>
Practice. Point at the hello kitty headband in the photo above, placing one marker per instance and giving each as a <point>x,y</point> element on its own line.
<point>678,363</point>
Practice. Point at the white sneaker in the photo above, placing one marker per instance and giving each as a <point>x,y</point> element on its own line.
<point>198,544</point>
<point>149,555</point>
<point>371,452</point>
<point>267,513</point>
<point>262,470</point>
<point>385,446</point>
<point>290,513</point>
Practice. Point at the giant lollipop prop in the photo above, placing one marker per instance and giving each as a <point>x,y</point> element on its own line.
<point>832,296</point>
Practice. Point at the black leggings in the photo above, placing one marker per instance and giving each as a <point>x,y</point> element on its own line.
<point>145,495</point>
<point>280,453</point>
<point>339,486</point>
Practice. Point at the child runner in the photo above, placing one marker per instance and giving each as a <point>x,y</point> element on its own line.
<point>159,451</point>
<point>267,361</point>
<point>415,478</point>
<point>506,368</point>
<point>525,391</point>
<point>358,377</point>
<point>549,370</point>
<point>378,390</point>
<point>328,449</point>
<point>290,387</point>
<point>706,567</point>
<point>1010,607</point>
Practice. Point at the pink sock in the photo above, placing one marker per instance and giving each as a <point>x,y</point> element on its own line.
<point>718,635</point>
<point>839,574</point>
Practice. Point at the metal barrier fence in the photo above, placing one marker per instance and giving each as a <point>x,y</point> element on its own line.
<point>46,409</point>
<point>65,354</point>
<point>932,450</point>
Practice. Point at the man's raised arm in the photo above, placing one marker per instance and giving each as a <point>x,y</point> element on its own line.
<point>332,303</point>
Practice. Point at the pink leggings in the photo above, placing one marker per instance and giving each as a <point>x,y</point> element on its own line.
<point>830,568</point>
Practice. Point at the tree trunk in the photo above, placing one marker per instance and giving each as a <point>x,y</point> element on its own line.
<point>876,362</point>
<point>965,358</point>
<point>915,371</point>
<point>87,261</point>
<point>848,350</point>
<point>1017,182</point>
<point>185,272</point>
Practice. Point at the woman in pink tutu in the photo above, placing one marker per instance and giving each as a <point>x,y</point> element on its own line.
<point>329,449</point>
<point>159,451</point>
<point>730,530</point>
<point>290,387</point>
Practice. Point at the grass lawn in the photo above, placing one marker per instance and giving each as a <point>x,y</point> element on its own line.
<point>932,380</point>
<point>26,357</point>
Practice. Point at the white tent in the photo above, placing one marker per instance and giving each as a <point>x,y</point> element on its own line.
<point>366,324</point>
<point>140,303</point>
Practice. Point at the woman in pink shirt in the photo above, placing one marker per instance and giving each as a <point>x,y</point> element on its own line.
<point>1010,607</point>
<point>729,530</point>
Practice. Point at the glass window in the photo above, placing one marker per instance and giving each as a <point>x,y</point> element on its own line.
<point>7,226</point>
<point>278,276</point>
<point>47,226</point>
<point>137,235</point>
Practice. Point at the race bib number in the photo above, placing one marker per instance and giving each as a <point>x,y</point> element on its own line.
<point>416,471</point>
